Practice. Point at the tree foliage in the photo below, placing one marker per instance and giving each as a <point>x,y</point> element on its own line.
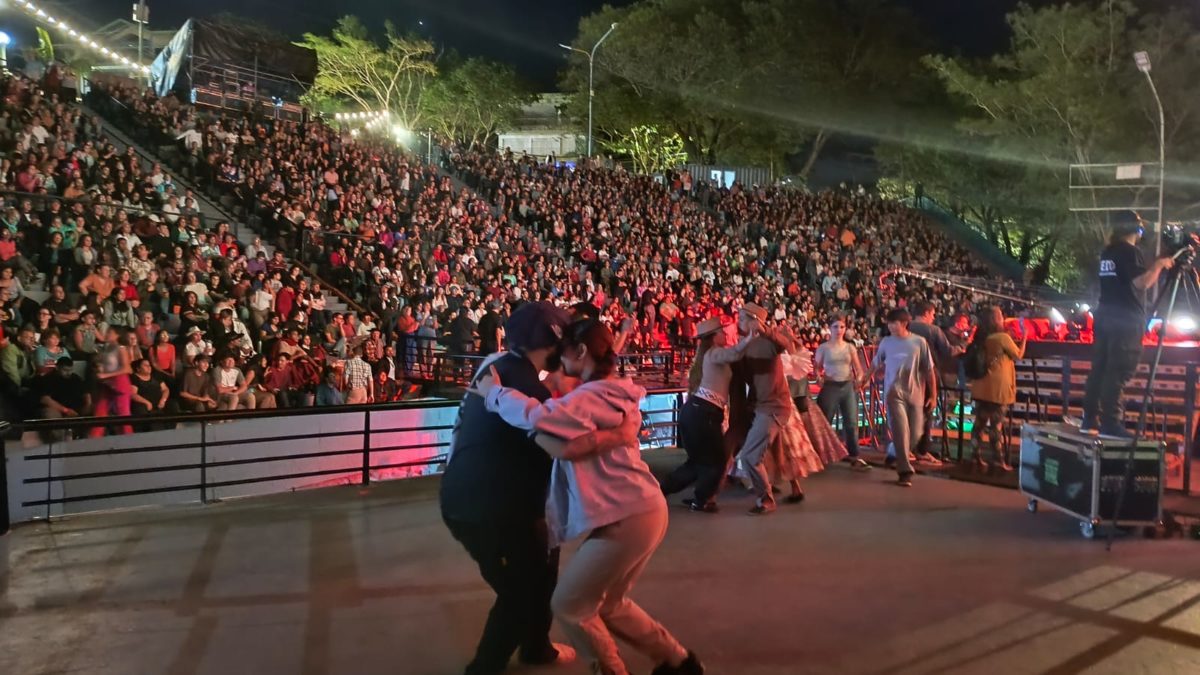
<point>353,67</point>
<point>471,100</point>
<point>755,80</point>
<point>1066,91</point>
<point>650,150</point>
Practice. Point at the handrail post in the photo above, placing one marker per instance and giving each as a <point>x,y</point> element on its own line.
<point>5,517</point>
<point>203,462</point>
<point>366,453</point>
<point>962,422</point>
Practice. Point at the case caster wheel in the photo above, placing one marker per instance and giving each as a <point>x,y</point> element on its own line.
<point>1031,506</point>
<point>1087,529</point>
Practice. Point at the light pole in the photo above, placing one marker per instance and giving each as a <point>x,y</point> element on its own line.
<point>591,57</point>
<point>1143,64</point>
<point>4,40</point>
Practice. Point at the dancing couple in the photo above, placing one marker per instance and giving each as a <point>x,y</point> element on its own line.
<point>778,443</point>
<point>527,473</point>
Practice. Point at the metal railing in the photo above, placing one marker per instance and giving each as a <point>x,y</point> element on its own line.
<point>207,459</point>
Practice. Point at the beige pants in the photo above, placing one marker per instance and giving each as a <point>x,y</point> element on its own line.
<point>356,395</point>
<point>242,401</point>
<point>591,600</point>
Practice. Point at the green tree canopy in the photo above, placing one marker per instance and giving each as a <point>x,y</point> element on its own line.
<point>352,67</point>
<point>650,150</point>
<point>749,81</point>
<point>1065,92</point>
<point>471,100</point>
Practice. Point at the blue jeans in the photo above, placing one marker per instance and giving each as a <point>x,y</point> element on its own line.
<point>840,397</point>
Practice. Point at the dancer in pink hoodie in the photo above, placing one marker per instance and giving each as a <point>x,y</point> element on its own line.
<point>606,495</point>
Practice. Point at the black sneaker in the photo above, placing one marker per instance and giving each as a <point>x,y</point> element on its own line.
<point>889,462</point>
<point>794,498</point>
<point>693,505</point>
<point>690,666</point>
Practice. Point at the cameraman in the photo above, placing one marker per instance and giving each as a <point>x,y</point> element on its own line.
<point>1120,326</point>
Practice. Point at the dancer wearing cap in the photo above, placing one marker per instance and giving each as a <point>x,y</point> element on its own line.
<point>603,493</point>
<point>909,387</point>
<point>493,499</point>
<point>702,420</point>
<point>773,407</point>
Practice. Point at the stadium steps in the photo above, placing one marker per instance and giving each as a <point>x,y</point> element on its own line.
<point>211,209</point>
<point>966,236</point>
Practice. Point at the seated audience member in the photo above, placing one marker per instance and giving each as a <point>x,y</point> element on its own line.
<point>61,394</point>
<point>196,392</point>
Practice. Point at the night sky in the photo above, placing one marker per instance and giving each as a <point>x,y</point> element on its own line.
<point>522,32</point>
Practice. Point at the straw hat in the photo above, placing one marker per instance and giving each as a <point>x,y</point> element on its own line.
<point>754,311</point>
<point>708,327</point>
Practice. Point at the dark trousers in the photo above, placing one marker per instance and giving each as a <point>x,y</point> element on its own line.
<point>700,432</point>
<point>840,397</point>
<point>1115,355</point>
<point>516,561</point>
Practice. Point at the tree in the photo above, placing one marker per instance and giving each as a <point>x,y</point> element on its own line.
<point>748,80</point>
<point>986,191</point>
<point>353,67</point>
<point>650,150</point>
<point>1065,92</point>
<point>472,100</point>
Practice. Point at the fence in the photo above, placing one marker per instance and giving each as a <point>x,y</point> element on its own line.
<point>215,456</point>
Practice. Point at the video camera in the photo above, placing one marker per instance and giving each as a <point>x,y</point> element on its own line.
<point>1183,241</point>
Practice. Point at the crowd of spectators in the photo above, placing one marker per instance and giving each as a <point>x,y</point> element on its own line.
<point>142,286</point>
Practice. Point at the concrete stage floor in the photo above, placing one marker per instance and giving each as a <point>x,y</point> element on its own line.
<point>864,577</point>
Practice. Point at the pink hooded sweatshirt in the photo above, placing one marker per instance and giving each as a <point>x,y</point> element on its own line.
<point>598,488</point>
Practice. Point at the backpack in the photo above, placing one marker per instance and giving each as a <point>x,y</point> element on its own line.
<point>975,361</point>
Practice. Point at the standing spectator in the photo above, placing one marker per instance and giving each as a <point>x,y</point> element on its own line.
<point>490,331</point>
<point>114,389</point>
<point>842,375</point>
<point>997,390</point>
<point>943,358</point>
<point>909,387</point>
<point>359,385</point>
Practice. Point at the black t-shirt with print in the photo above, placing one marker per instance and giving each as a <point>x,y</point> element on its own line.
<point>1120,264</point>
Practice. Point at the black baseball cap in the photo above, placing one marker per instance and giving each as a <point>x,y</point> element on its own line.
<point>536,325</point>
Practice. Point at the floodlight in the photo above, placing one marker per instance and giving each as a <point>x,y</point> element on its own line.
<point>1142,59</point>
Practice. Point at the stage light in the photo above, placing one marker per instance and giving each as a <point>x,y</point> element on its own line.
<point>1086,308</point>
<point>1056,316</point>
<point>1184,323</point>
<point>5,40</point>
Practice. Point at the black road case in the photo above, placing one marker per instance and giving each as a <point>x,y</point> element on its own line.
<point>1081,475</point>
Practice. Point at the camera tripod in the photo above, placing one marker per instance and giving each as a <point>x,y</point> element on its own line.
<point>1183,275</point>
